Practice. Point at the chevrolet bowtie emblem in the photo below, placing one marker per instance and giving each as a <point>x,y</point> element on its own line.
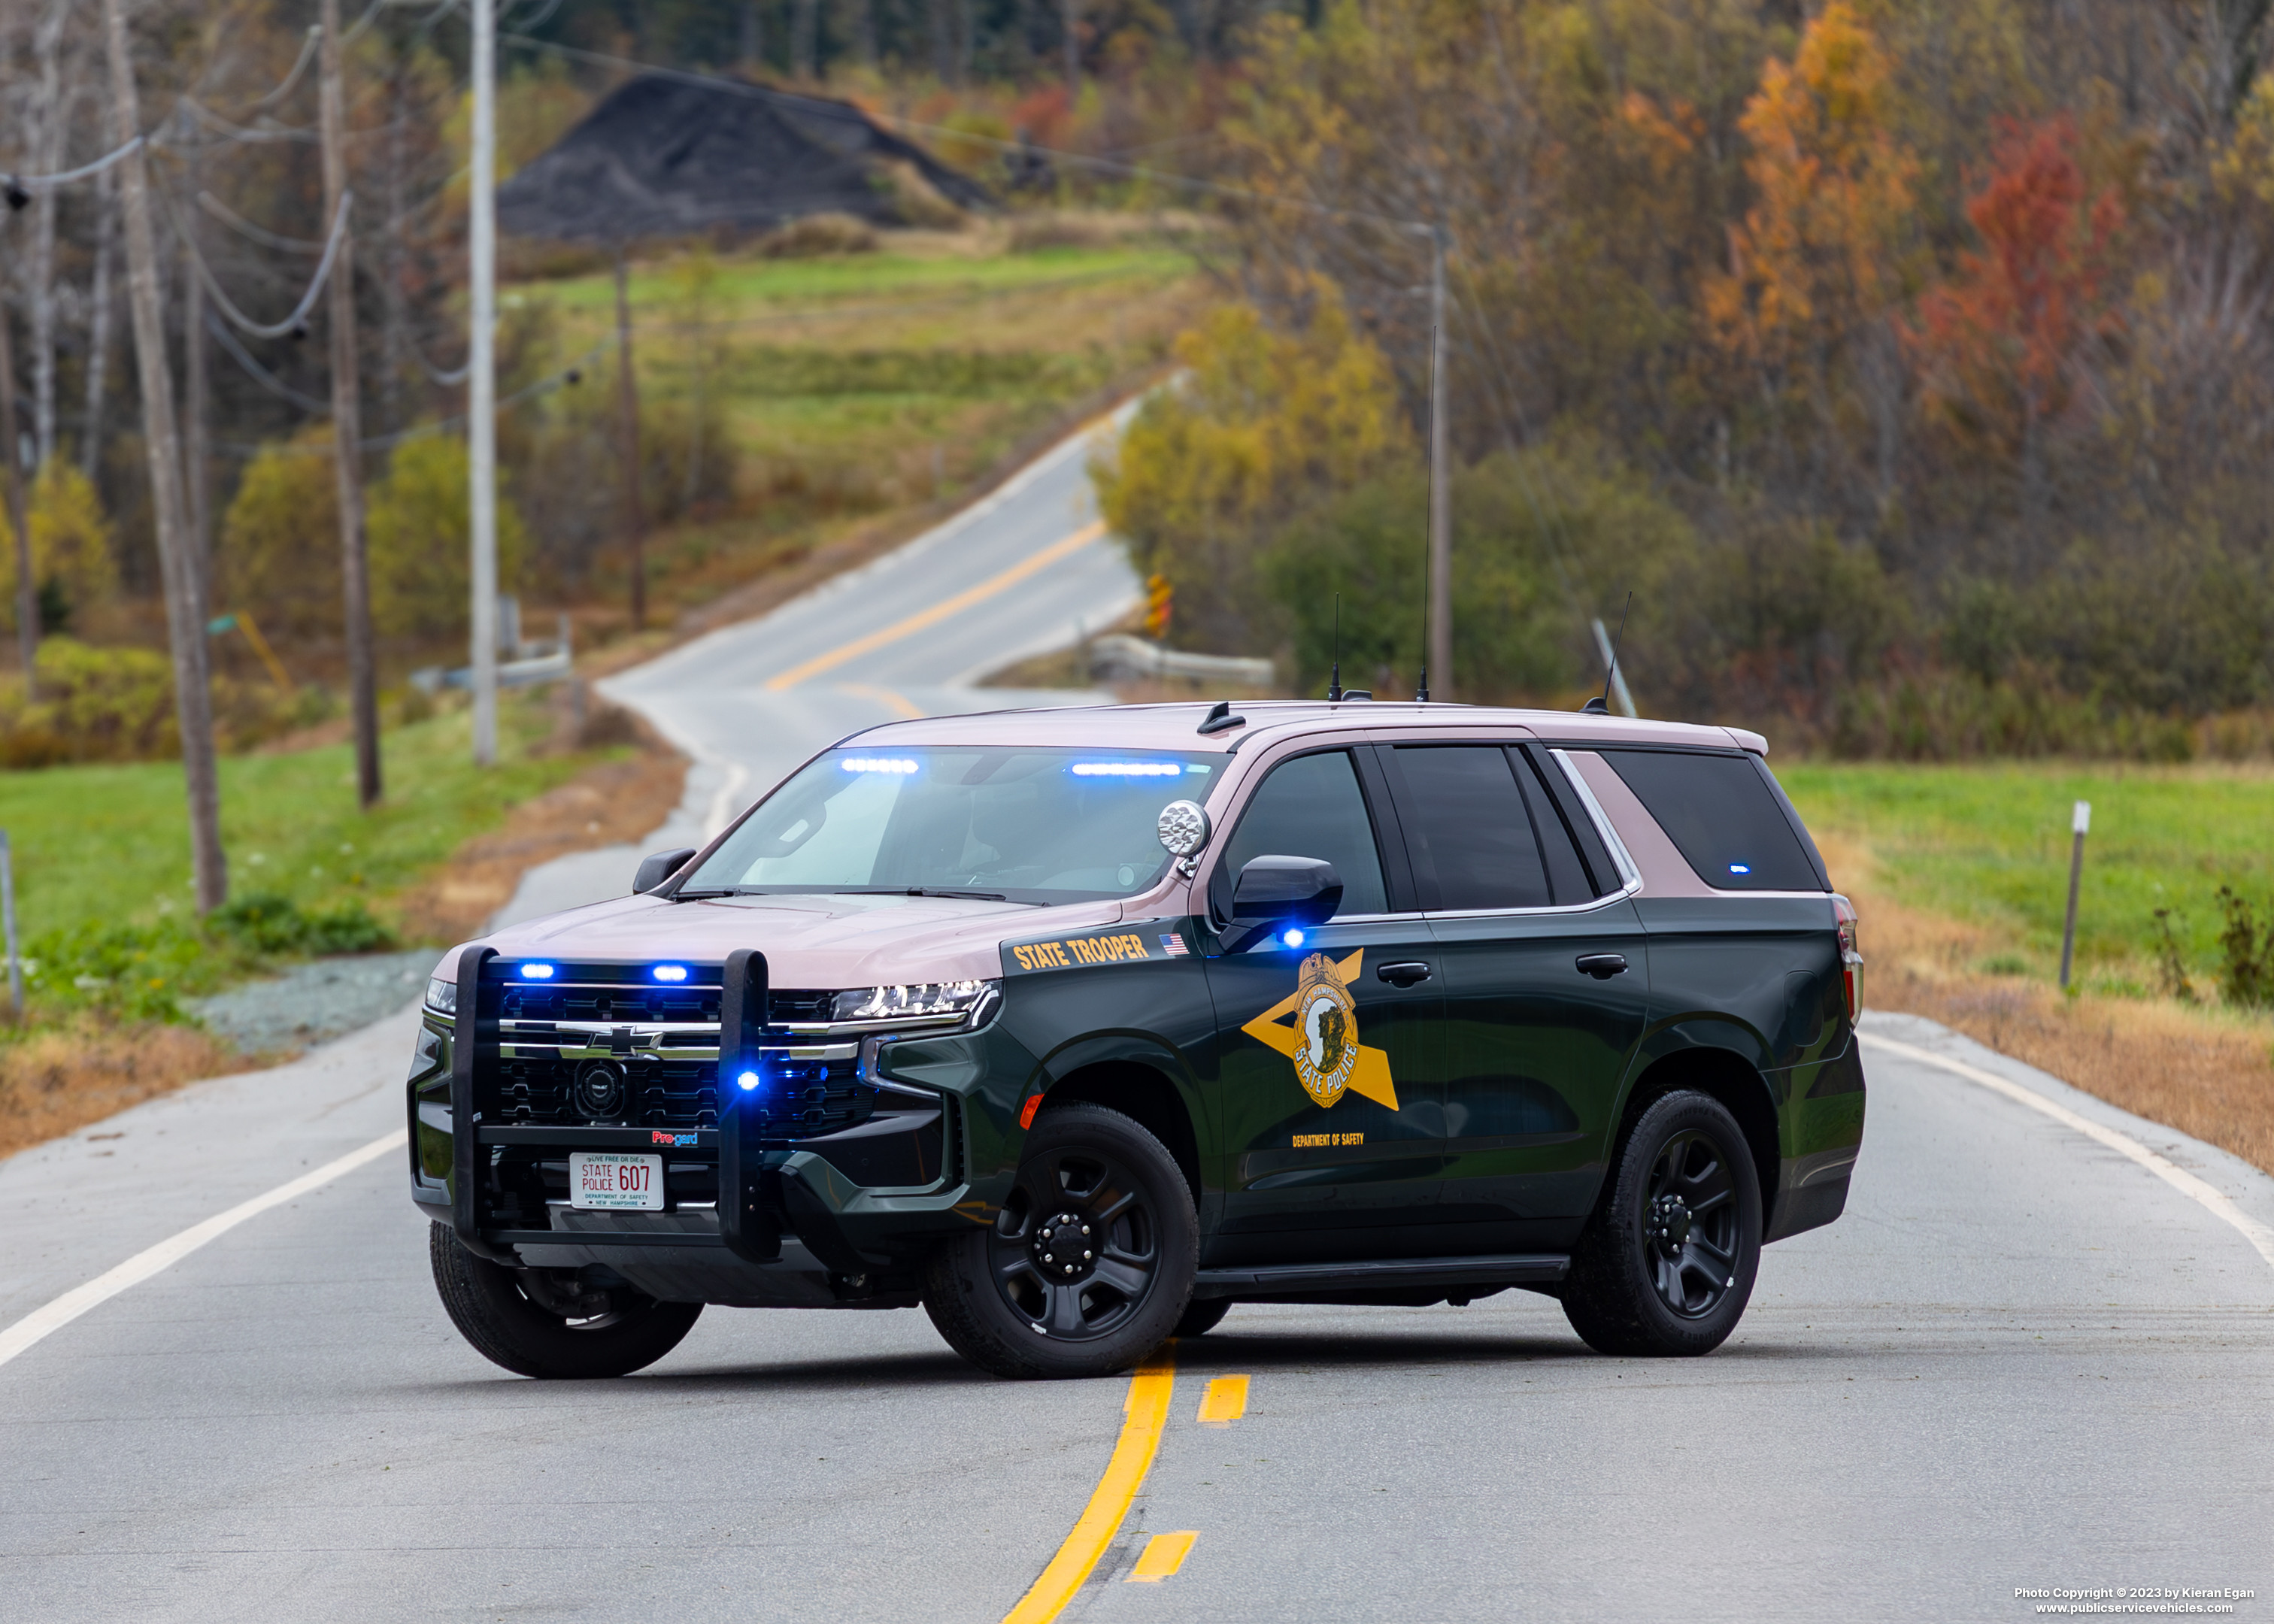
<point>1322,1039</point>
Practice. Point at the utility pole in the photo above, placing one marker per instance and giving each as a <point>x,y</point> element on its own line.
<point>347,421</point>
<point>185,616</point>
<point>1441,482</point>
<point>196,405</point>
<point>628,409</point>
<point>481,380</point>
<point>28,590</point>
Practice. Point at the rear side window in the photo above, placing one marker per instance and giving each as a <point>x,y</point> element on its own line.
<point>1467,825</point>
<point>1724,814</point>
<point>1309,806</point>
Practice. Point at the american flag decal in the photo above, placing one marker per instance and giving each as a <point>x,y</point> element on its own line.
<point>1175,945</point>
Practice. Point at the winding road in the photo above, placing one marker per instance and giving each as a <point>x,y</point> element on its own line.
<point>2037,1352</point>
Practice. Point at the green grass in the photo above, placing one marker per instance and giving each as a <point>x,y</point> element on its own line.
<point>1990,845</point>
<point>109,845</point>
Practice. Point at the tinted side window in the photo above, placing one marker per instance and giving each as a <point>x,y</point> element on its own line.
<point>1567,876</point>
<point>1722,813</point>
<point>1572,814</point>
<point>1309,806</point>
<point>1468,829</point>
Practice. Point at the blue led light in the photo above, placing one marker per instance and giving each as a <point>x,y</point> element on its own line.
<point>1292,938</point>
<point>747,1082</point>
<point>877,763</point>
<point>1741,867</point>
<point>536,972</point>
<point>669,973</point>
<point>1127,770</point>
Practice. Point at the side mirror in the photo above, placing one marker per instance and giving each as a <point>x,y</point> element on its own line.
<point>657,866</point>
<point>1276,892</point>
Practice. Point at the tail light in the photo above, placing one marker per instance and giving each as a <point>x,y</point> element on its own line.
<point>1851,962</point>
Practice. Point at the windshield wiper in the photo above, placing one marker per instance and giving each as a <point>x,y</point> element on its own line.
<point>924,890</point>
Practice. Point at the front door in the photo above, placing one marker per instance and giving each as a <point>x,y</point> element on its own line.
<point>1547,979</point>
<point>1328,1049</point>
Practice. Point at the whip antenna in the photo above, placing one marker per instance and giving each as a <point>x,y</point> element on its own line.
<point>1334,682</point>
<point>1600,703</point>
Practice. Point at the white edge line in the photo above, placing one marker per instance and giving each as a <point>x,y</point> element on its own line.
<point>2163,1166</point>
<point>51,1317</point>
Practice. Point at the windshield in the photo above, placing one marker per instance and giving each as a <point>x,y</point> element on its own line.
<point>1043,825</point>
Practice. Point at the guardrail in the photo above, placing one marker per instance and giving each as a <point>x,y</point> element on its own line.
<point>1121,656</point>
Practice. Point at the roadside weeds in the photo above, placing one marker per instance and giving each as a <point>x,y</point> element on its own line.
<point>2208,1072</point>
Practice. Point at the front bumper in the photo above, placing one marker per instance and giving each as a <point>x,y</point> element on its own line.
<point>843,1218</point>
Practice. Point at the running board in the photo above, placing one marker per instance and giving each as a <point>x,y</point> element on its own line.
<point>1387,1274</point>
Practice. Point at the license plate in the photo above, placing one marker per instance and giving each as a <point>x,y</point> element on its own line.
<point>608,1179</point>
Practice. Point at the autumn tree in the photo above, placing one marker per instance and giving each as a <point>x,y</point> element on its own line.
<point>1822,256</point>
<point>2007,345</point>
<point>1265,424</point>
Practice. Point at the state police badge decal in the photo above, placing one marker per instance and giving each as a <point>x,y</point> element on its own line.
<point>1326,1022</point>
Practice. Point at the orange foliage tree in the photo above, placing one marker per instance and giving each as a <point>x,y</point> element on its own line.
<point>1821,252</point>
<point>2003,344</point>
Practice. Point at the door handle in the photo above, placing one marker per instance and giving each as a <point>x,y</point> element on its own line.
<point>1403,975</point>
<point>1602,967</point>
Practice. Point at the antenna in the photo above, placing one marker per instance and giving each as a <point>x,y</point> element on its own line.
<point>1334,682</point>
<point>1600,705</point>
<point>1421,691</point>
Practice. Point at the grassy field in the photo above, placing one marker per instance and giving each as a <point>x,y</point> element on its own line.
<point>110,844</point>
<point>1989,845</point>
<point>866,388</point>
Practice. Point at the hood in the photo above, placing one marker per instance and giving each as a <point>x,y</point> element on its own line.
<point>811,942</point>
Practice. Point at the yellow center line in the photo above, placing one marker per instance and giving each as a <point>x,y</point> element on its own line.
<point>1144,1413</point>
<point>899,703</point>
<point>1225,1400</point>
<point>938,612</point>
<point>1164,1554</point>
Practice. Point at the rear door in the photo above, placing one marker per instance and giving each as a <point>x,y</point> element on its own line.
<point>1547,979</point>
<point>1330,1050</point>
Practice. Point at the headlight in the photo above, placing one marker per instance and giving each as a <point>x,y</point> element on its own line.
<point>894,1003</point>
<point>442,997</point>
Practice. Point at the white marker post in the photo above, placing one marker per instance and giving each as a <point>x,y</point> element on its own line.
<point>8,912</point>
<point>2080,820</point>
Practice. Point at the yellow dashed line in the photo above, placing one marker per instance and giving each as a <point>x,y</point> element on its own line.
<point>899,704</point>
<point>940,611</point>
<point>1164,1554</point>
<point>1226,1400</point>
<point>1144,1414</point>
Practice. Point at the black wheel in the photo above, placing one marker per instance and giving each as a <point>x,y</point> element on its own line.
<point>1088,1266</point>
<point>1204,1315</point>
<point>542,1322</point>
<point>1666,1262</point>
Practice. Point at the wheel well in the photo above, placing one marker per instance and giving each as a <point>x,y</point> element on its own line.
<point>1740,1089</point>
<point>1146,1098</point>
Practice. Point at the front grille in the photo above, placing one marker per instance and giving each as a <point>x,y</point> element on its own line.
<point>603,1045</point>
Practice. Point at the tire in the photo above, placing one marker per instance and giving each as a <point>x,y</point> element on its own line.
<point>1666,1262</point>
<point>504,1313</point>
<point>1203,1315</point>
<point>1015,1300</point>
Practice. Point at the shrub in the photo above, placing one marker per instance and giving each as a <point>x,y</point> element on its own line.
<point>2248,945</point>
<point>93,704</point>
<point>417,524</point>
<point>72,561</point>
<point>818,235</point>
<point>280,542</point>
<point>269,923</point>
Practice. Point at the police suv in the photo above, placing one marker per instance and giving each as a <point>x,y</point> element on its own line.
<point>1079,1026</point>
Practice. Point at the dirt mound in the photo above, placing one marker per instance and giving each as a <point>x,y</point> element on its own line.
<point>665,157</point>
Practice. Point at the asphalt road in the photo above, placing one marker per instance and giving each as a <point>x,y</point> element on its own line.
<point>2022,1360</point>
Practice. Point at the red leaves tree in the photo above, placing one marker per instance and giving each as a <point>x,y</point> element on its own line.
<point>2004,345</point>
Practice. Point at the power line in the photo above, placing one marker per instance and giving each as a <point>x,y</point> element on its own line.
<point>238,223</point>
<point>571,373</point>
<point>238,318</point>
<point>261,374</point>
<point>86,171</point>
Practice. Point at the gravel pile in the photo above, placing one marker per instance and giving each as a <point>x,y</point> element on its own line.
<point>312,1003</point>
